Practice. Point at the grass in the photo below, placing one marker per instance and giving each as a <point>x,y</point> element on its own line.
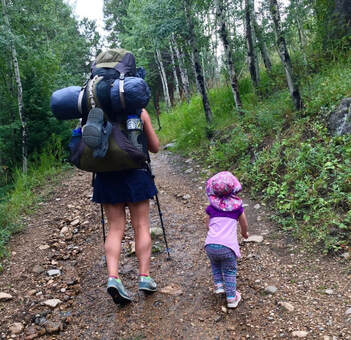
<point>284,157</point>
<point>21,199</point>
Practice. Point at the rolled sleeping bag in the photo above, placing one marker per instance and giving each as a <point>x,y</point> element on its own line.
<point>64,103</point>
<point>136,94</point>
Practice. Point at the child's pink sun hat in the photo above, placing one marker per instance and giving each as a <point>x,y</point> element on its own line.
<point>221,190</point>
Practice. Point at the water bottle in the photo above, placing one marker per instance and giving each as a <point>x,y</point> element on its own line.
<point>135,129</point>
<point>75,139</point>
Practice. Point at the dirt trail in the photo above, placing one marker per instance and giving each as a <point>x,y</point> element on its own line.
<point>313,294</point>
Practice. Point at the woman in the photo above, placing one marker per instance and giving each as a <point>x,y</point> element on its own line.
<point>132,188</point>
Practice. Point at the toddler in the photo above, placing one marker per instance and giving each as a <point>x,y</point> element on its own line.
<point>221,245</point>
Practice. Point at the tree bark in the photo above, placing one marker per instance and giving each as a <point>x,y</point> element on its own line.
<point>177,92</point>
<point>19,91</point>
<point>228,54</point>
<point>262,46</point>
<point>251,43</point>
<point>301,34</point>
<point>163,79</point>
<point>183,72</point>
<point>284,56</point>
<point>198,71</point>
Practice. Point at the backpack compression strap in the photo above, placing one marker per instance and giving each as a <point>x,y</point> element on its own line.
<point>121,91</point>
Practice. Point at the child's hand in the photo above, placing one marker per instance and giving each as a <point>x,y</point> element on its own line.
<point>244,234</point>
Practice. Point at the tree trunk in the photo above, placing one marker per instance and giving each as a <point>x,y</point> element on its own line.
<point>183,72</point>
<point>251,43</point>
<point>301,34</point>
<point>198,89</point>
<point>228,54</point>
<point>156,98</point>
<point>163,79</point>
<point>19,91</point>
<point>197,65</point>
<point>262,46</point>
<point>177,92</point>
<point>284,56</point>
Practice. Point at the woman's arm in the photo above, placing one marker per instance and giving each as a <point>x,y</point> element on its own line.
<point>152,139</point>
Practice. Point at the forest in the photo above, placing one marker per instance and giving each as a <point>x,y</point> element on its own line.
<point>243,85</point>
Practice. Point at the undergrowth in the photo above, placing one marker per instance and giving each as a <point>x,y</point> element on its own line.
<point>285,157</point>
<point>21,199</point>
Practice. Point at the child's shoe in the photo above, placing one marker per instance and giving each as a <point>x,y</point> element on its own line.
<point>146,283</point>
<point>219,288</point>
<point>117,291</point>
<point>233,302</point>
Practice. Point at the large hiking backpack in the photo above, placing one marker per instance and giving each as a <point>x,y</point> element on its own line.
<point>118,88</point>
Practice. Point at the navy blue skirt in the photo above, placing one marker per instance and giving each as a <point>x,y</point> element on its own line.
<point>123,186</point>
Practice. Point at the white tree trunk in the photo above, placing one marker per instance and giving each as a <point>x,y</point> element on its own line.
<point>163,79</point>
<point>19,91</point>
<point>284,56</point>
<point>228,54</point>
<point>177,92</point>
<point>183,72</point>
<point>251,43</point>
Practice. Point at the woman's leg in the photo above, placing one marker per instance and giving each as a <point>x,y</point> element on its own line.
<point>116,218</point>
<point>139,214</point>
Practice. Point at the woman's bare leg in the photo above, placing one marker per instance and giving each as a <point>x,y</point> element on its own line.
<point>116,218</point>
<point>139,214</point>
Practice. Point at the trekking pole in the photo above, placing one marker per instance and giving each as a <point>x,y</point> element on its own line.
<point>163,227</point>
<point>159,211</point>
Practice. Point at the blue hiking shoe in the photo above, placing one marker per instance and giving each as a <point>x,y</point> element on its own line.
<point>117,291</point>
<point>147,284</point>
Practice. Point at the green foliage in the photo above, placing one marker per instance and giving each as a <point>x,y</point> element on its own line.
<point>286,158</point>
<point>21,199</point>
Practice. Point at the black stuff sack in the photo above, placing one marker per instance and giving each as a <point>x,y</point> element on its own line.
<point>121,153</point>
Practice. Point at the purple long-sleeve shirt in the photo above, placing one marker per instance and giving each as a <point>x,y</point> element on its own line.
<point>223,228</point>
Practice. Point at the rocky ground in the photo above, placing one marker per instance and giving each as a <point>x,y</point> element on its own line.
<point>53,284</point>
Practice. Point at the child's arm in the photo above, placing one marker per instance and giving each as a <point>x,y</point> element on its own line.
<point>243,225</point>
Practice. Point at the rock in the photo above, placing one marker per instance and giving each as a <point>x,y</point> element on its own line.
<point>340,120</point>
<point>31,333</point>
<point>287,306</point>
<point>16,328</point>
<point>299,334</point>
<point>31,292</point>
<point>189,171</point>
<point>329,292</point>
<point>131,247</point>
<point>38,269</point>
<point>75,222</point>
<point>186,197</point>
<point>189,160</point>
<point>254,238</point>
<point>64,230</point>
<point>5,296</point>
<point>345,255</point>
<point>257,206</point>
<point>171,290</point>
<point>270,289</point>
<point>53,327</point>
<point>155,232</point>
<point>52,302</point>
<point>224,309</point>
<point>54,272</point>
<point>169,146</point>
<point>348,312</point>
<point>44,247</point>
